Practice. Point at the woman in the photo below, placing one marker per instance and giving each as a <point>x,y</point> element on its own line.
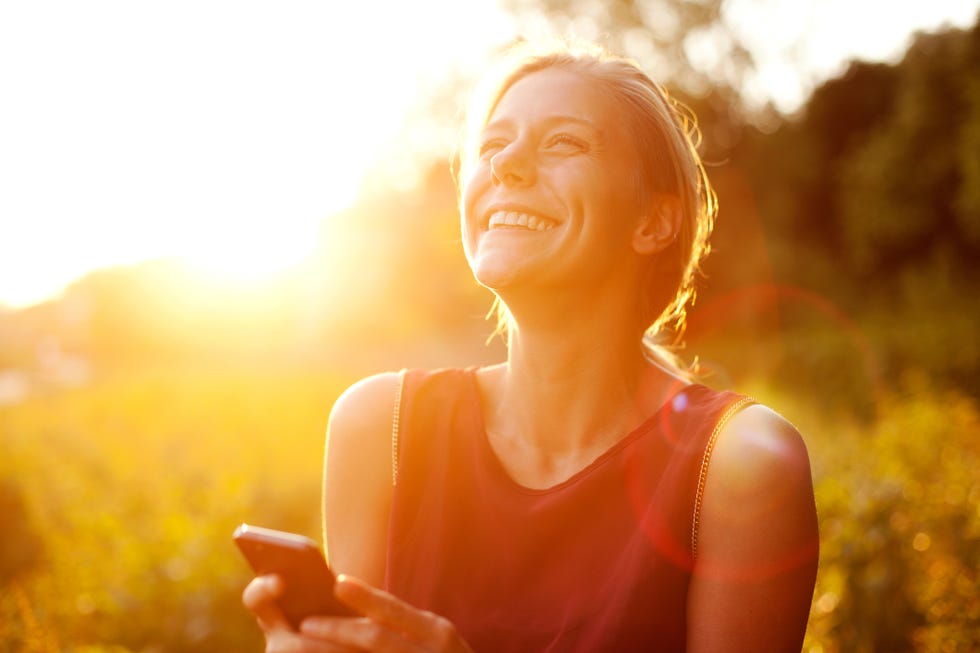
<point>584,495</point>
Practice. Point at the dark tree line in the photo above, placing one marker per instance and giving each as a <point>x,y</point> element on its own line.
<point>872,199</point>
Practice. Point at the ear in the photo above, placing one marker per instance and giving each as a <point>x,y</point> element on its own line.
<point>657,229</point>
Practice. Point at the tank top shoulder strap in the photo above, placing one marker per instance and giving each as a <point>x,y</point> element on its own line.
<point>396,425</point>
<point>425,401</point>
<point>736,403</point>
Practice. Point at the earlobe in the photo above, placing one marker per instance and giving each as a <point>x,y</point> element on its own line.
<point>656,230</point>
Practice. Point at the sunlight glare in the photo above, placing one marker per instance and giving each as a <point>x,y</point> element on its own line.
<point>250,254</point>
<point>218,132</point>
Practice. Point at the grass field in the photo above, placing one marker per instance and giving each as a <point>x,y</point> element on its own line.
<point>119,500</point>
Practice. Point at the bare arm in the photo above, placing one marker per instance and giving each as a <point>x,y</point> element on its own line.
<point>357,492</point>
<point>357,481</point>
<point>757,542</point>
<point>356,501</point>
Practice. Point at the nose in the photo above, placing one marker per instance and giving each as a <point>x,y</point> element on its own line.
<point>513,166</point>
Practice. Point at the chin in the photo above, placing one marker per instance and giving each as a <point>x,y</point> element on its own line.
<point>495,277</point>
<point>495,267</point>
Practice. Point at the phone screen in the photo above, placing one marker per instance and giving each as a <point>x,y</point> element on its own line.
<point>300,563</point>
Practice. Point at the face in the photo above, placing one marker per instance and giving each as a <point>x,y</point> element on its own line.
<point>550,198</point>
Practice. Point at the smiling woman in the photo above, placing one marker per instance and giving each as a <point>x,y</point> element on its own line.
<point>586,494</point>
<point>553,153</point>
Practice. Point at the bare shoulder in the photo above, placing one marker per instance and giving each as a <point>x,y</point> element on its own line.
<point>361,408</point>
<point>759,450</point>
<point>757,540</point>
<point>758,492</point>
<point>357,482</point>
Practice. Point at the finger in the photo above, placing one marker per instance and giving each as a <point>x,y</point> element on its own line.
<point>391,611</point>
<point>283,641</point>
<point>259,598</point>
<point>358,634</point>
<point>376,604</point>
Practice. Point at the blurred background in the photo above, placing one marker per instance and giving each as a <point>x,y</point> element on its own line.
<point>214,216</point>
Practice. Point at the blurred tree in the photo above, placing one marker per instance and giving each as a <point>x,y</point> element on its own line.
<point>904,191</point>
<point>870,198</point>
<point>665,36</point>
<point>881,165</point>
<point>792,172</point>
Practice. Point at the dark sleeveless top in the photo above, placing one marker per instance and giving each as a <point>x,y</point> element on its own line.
<point>599,562</point>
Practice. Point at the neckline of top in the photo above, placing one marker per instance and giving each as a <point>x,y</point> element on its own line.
<point>648,425</point>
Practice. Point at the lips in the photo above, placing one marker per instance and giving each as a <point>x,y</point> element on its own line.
<point>519,220</point>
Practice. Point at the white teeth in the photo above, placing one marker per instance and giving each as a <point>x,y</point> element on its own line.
<point>515,219</point>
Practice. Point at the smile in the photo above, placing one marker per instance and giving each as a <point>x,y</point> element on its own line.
<point>517,220</point>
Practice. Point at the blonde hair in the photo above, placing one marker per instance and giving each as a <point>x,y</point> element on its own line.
<point>666,138</point>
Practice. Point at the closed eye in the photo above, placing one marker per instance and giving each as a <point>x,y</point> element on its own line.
<point>491,147</point>
<point>563,142</point>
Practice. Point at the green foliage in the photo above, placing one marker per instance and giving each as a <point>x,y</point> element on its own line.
<point>869,200</point>
<point>967,201</point>
<point>901,189</point>
<point>22,546</point>
<point>133,488</point>
<point>878,176</point>
<point>900,526</point>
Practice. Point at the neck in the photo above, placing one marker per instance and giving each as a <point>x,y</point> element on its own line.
<point>576,388</point>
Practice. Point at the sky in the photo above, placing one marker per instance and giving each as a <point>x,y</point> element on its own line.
<point>226,132</point>
<point>802,42</point>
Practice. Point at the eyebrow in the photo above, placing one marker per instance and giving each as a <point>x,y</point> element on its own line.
<point>549,121</point>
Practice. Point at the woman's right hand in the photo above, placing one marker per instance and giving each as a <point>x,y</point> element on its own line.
<point>388,624</point>
<point>259,598</point>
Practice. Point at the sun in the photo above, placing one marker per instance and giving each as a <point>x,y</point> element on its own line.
<point>226,152</point>
<point>255,254</point>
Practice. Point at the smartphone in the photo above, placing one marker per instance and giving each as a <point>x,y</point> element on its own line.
<point>300,563</point>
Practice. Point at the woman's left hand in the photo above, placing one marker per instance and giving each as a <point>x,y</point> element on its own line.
<point>389,624</point>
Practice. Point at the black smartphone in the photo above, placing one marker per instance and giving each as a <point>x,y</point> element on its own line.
<point>300,563</point>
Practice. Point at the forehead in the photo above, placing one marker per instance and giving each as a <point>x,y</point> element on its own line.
<point>556,92</point>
